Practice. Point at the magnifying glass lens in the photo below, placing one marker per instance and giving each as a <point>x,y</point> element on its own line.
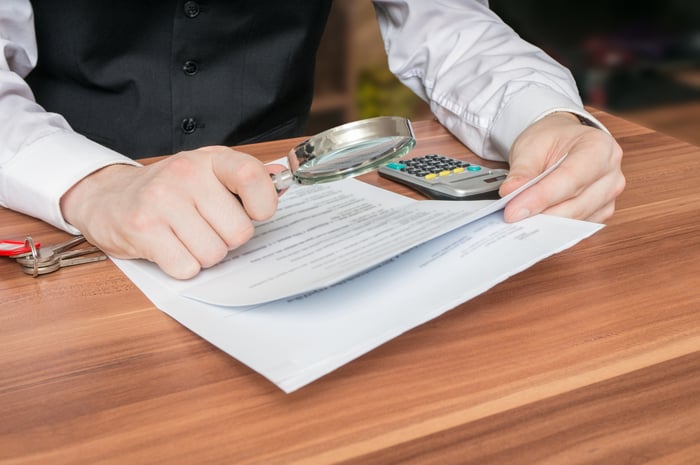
<point>353,160</point>
<point>348,150</point>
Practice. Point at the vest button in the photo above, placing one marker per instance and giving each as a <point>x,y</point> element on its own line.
<point>191,9</point>
<point>188,125</point>
<point>190,67</point>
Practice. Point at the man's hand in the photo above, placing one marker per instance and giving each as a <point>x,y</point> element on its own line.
<point>583,187</point>
<point>179,212</point>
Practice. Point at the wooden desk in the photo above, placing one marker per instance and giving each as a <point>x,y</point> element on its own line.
<point>591,356</point>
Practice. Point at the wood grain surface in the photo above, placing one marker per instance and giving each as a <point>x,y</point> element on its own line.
<point>590,356</point>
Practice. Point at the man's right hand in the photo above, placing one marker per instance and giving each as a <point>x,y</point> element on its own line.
<point>179,213</point>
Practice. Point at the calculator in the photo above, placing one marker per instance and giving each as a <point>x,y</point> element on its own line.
<point>446,178</point>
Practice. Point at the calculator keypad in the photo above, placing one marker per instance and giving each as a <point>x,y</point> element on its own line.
<point>431,167</point>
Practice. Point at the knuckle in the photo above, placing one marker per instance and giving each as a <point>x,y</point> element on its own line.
<point>249,171</point>
<point>141,220</point>
<point>620,185</point>
<point>213,148</point>
<point>156,192</point>
<point>610,210</point>
<point>213,256</point>
<point>240,235</point>
<point>607,211</point>
<point>617,153</point>
<point>181,166</point>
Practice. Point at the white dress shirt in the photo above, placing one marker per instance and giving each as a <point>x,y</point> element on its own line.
<point>483,83</point>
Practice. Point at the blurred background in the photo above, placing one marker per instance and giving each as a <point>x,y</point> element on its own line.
<point>639,60</point>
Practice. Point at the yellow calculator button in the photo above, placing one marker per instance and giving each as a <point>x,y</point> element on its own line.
<point>445,173</point>
<point>458,170</point>
<point>430,176</point>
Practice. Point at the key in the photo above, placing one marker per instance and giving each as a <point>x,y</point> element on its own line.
<point>64,259</point>
<point>52,258</point>
<point>46,252</point>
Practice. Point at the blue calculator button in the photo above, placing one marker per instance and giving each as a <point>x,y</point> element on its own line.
<point>396,166</point>
<point>473,168</point>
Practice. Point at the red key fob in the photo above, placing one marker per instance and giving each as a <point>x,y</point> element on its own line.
<point>9,248</point>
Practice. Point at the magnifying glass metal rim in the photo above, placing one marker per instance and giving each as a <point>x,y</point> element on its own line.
<point>381,140</point>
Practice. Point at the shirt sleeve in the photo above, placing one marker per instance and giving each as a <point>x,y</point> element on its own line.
<point>41,157</point>
<point>483,82</point>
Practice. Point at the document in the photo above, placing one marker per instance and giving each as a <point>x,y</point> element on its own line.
<point>344,267</point>
<point>326,233</point>
<point>322,235</point>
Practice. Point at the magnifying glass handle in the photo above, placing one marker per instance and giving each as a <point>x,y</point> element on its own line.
<point>282,180</point>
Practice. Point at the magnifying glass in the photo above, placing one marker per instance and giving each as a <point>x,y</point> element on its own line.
<point>346,151</point>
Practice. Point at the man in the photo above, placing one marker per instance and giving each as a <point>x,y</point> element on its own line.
<point>152,78</point>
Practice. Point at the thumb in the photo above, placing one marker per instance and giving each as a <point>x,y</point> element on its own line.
<point>521,170</point>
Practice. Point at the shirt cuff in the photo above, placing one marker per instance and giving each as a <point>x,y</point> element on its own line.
<point>42,172</point>
<point>527,107</point>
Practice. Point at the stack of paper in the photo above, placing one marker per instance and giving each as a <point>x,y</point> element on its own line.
<point>344,267</point>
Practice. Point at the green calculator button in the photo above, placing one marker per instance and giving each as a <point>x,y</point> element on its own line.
<point>396,166</point>
<point>473,168</point>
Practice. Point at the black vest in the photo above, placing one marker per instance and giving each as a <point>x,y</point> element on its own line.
<point>152,77</point>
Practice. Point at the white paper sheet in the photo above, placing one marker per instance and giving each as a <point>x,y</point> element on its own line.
<point>326,233</point>
<point>295,340</point>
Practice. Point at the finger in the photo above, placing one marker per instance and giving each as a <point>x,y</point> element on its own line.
<point>248,178</point>
<point>521,170</point>
<point>567,181</point>
<point>572,209</point>
<point>602,214</point>
<point>172,238</point>
<point>512,183</point>
<point>202,241</point>
<point>163,225</point>
<point>526,163</point>
<point>223,214</point>
<point>172,256</point>
<point>596,202</point>
<point>554,188</point>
